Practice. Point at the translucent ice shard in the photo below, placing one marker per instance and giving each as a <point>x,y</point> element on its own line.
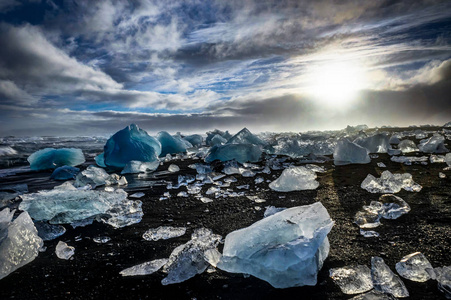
<point>413,267</point>
<point>92,176</point>
<point>50,158</point>
<point>295,179</point>
<point>448,159</point>
<point>393,206</point>
<point>64,251</point>
<point>163,233</point>
<point>60,206</point>
<point>246,137</point>
<point>146,268</point>
<point>369,233</point>
<point>390,183</point>
<point>434,144</point>
<point>217,140</point>
<point>443,277</point>
<point>286,249</point>
<point>170,144</point>
<point>377,143</point>
<point>373,295</point>
<point>407,146</point>
<point>135,166</point>
<point>130,143</point>
<point>271,210</point>
<point>65,173</point>
<point>173,168</point>
<point>384,280</point>
<point>19,241</point>
<point>240,152</point>
<point>352,279</point>
<point>347,152</point>
<point>49,232</point>
<point>367,219</point>
<point>408,160</point>
<point>188,259</point>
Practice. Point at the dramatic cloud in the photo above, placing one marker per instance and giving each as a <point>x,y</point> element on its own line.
<point>193,65</point>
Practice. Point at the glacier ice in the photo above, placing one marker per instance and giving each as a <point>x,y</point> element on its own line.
<point>65,173</point>
<point>352,279</point>
<point>48,232</point>
<point>295,179</point>
<point>390,183</point>
<point>286,249</point>
<point>347,152</point>
<point>7,150</point>
<point>130,143</point>
<point>240,152</point>
<point>194,139</point>
<point>50,158</point>
<point>61,206</point>
<point>146,268</point>
<point>92,176</point>
<point>64,251</point>
<point>443,277</point>
<point>448,159</point>
<point>434,144</point>
<point>407,146</point>
<point>170,144</point>
<point>225,135</point>
<point>135,166</point>
<point>373,295</point>
<point>413,267</point>
<point>188,259</point>
<point>271,210</point>
<point>100,160</point>
<point>384,280</point>
<point>395,139</point>
<point>246,137</point>
<point>408,160</point>
<point>378,143</point>
<point>217,140</point>
<point>163,233</point>
<point>173,168</point>
<point>19,241</point>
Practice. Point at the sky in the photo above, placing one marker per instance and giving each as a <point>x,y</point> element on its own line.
<point>81,67</point>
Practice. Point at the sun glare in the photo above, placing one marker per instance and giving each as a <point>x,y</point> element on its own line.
<point>337,83</point>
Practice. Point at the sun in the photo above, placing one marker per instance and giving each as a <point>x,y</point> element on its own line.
<point>336,83</point>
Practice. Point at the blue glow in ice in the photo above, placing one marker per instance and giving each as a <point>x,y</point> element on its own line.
<point>65,173</point>
<point>170,144</point>
<point>240,152</point>
<point>194,139</point>
<point>50,158</point>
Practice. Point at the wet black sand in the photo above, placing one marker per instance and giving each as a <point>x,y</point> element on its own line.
<point>94,270</point>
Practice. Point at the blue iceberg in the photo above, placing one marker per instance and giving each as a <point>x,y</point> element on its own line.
<point>246,137</point>
<point>226,135</point>
<point>286,249</point>
<point>194,139</point>
<point>130,143</point>
<point>170,144</point>
<point>50,158</point>
<point>240,152</point>
<point>65,173</point>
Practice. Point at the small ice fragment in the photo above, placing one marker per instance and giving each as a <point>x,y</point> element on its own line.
<point>437,159</point>
<point>367,219</point>
<point>407,146</point>
<point>173,168</point>
<point>230,179</point>
<point>441,175</point>
<point>413,267</point>
<point>256,199</point>
<point>146,268</point>
<point>393,206</point>
<point>448,159</point>
<point>182,194</point>
<point>93,176</point>
<point>373,295</point>
<point>212,190</point>
<point>247,173</point>
<point>390,183</point>
<point>443,277</point>
<point>384,280</point>
<point>137,195</point>
<point>109,189</point>
<point>163,233</point>
<point>352,279</point>
<point>135,166</point>
<point>381,165</point>
<point>63,251</point>
<point>295,179</point>
<point>48,232</point>
<point>369,233</point>
<point>101,239</point>
<point>205,200</point>
<point>243,187</point>
<point>259,180</point>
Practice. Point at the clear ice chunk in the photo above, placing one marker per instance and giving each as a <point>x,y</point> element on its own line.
<point>163,233</point>
<point>173,168</point>
<point>369,233</point>
<point>413,267</point>
<point>48,232</point>
<point>443,277</point>
<point>146,268</point>
<point>434,144</point>
<point>384,280</point>
<point>448,159</point>
<point>393,206</point>
<point>346,153</point>
<point>188,259</point>
<point>19,241</point>
<point>135,166</point>
<point>130,143</point>
<point>137,195</point>
<point>407,146</point>
<point>246,137</point>
<point>373,295</point>
<point>64,173</point>
<point>171,145</point>
<point>408,160</point>
<point>272,210</point>
<point>286,249</point>
<point>50,158</point>
<point>69,206</point>
<point>352,279</point>
<point>378,143</point>
<point>240,152</point>
<point>64,251</point>
<point>390,183</point>
<point>367,219</point>
<point>295,179</point>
